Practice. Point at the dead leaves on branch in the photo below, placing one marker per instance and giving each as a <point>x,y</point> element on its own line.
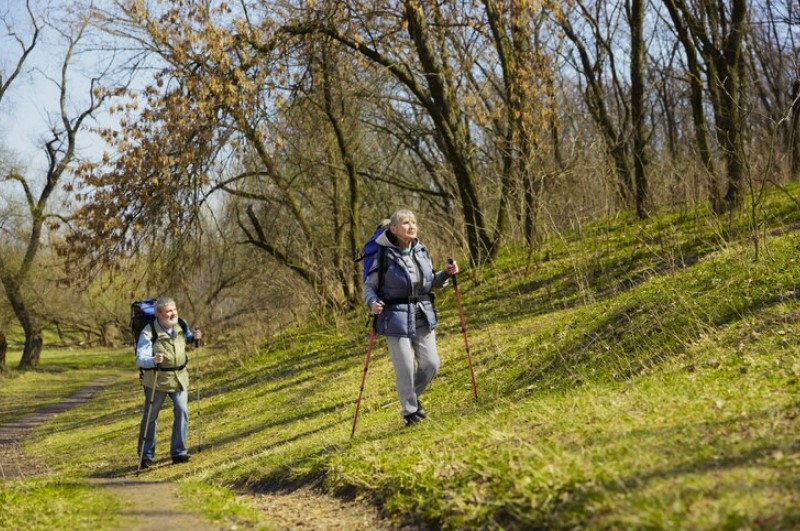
<point>158,176</point>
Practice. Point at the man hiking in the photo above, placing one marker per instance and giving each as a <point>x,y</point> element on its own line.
<point>161,354</point>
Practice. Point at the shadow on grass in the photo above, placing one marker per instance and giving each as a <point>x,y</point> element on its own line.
<point>273,444</point>
<point>634,339</point>
<point>309,366</point>
<point>570,503</point>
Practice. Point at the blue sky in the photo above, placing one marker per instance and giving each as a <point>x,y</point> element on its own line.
<point>31,103</point>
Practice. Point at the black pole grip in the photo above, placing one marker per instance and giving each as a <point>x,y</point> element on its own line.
<point>450,260</point>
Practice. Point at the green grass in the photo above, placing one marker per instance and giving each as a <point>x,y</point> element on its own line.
<point>62,372</point>
<point>47,504</point>
<point>220,504</point>
<point>636,375</point>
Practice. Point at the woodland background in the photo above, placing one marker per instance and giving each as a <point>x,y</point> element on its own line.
<point>237,154</point>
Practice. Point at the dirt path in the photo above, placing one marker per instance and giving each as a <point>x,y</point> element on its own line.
<point>306,510</point>
<point>13,462</point>
<point>301,509</point>
<point>138,495</point>
<point>152,506</point>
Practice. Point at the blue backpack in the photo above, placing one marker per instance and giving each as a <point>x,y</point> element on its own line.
<point>372,251</point>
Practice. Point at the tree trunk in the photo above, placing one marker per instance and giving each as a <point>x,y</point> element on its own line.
<point>730,137</point>
<point>720,43</point>
<point>32,350</point>
<point>636,20</point>
<point>730,71</point>
<point>454,137</point>
<point>696,99</point>
<point>794,138</point>
<point>618,149</point>
<point>33,334</point>
<point>60,331</point>
<point>667,106</point>
<point>613,134</point>
<point>512,42</point>
<point>3,349</point>
<point>348,275</point>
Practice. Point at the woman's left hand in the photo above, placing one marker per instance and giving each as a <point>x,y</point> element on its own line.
<point>451,269</point>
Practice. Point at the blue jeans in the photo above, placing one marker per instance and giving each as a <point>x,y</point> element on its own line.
<point>180,423</point>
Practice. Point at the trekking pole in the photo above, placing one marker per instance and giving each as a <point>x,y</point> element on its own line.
<point>147,421</point>
<point>366,367</point>
<point>197,344</point>
<point>464,331</point>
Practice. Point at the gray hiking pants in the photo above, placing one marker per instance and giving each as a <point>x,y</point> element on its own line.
<point>415,364</point>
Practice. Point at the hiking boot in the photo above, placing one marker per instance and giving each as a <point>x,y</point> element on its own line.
<point>412,419</point>
<point>177,459</point>
<point>146,463</point>
<point>421,410</point>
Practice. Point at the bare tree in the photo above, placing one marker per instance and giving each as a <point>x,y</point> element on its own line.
<point>773,54</point>
<point>714,30</point>
<point>635,15</point>
<point>605,95</point>
<point>60,152</point>
<point>254,129</point>
<point>525,87</point>
<point>423,65</point>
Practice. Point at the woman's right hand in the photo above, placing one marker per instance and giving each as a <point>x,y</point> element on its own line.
<point>377,307</point>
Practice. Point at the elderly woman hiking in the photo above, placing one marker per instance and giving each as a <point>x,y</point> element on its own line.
<point>398,290</point>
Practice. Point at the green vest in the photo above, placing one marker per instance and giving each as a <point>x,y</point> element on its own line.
<point>174,351</point>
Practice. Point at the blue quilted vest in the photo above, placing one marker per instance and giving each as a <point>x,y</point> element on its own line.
<point>399,315</point>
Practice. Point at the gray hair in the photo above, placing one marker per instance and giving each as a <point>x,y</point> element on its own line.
<point>163,301</point>
<point>400,215</point>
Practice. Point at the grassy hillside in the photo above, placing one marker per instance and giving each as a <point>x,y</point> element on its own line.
<point>631,375</point>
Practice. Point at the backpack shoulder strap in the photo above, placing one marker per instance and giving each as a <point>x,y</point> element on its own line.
<point>181,324</point>
<point>381,266</point>
<point>184,326</point>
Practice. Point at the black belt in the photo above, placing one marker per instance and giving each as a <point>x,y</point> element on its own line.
<point>408,300</point>
<point>166,369</point>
